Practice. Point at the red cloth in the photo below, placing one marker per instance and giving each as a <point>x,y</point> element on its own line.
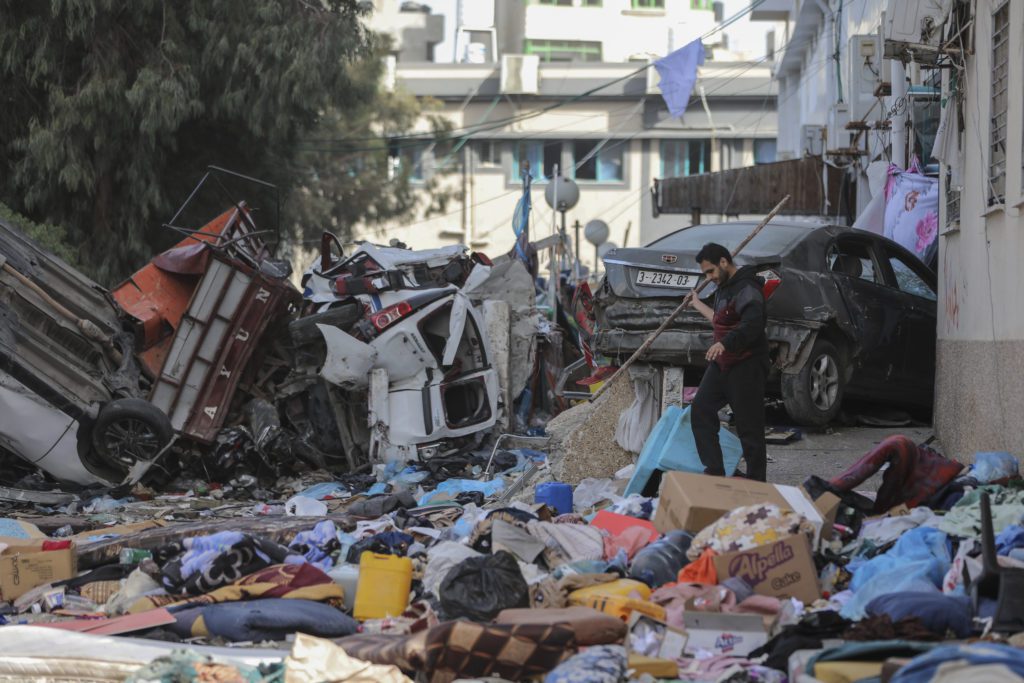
<point>56,545</point>
<point>915,473</point>
<point>631,540</point>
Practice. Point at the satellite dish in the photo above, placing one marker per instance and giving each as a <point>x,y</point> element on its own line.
<point>596,232</point>
<point>605,248</point>
<point>568,193</point>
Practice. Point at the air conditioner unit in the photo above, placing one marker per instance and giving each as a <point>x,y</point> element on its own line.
<point>917,21</point>
<point>520,74</point>
<point>812,139</point>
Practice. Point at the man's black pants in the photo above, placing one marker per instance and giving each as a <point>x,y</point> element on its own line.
<point>742,387</point>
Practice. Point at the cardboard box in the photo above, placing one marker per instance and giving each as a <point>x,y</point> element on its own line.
<point>783,569</point>
<point>724,634</point>
<point>692,502</point>
<point>26,565</point>
<point>654,638</point>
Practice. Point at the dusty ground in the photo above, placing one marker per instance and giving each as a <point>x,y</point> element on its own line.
<point>830,452</point>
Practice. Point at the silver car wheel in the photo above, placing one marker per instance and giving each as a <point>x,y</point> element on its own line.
<point>824,378</point>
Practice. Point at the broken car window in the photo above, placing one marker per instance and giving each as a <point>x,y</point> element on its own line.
<point>909,281</point>
<point>853,259</point>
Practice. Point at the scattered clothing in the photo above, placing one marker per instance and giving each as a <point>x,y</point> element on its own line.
<point>964,663</point>
<point>264,619</point>
<point>598,664</point>
<point>289,581</point>
<point>318,544</point>
<point>937,612</point>
<point>914,473</point>
<point>917,562</point>
<point>964,519</point>
<point>462,649</point>
<point>564,543</point>
<point>182,666</point>
<point>204,563</point>
<point>313,660</point>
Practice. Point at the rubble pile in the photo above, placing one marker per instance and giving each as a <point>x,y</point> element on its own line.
<point>363,481</point>
<point>715,579</point>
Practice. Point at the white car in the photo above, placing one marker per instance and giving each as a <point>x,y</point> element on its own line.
<point>70,388</point>
<point>411,338</point>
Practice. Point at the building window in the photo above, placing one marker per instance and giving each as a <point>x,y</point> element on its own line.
<point>488,153</point>
<point>543,156</point>
<point>764,151</point>
<point>730,154</point>
<point>408,159</point>
<point>599,165</point>
<point>571,3</point>
<point>560,3</point>
<point>685,157</point>
<point>564,50</point>
<point>998,104</point>
<point>648,4</point>
<point>702,4</point>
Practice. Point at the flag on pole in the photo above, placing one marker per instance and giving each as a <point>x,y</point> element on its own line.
<point>521,220</point>
<point>678,72</point>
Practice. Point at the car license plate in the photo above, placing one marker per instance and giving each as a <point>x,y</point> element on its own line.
<point>658,278</point>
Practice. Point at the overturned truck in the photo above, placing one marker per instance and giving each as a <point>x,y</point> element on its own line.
<point>208,355</point>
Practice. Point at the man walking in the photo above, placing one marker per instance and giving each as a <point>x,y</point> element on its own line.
<point>737,363</point>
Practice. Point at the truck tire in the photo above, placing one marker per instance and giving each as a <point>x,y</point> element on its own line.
<point>128,430</point>
<point>813,396</point>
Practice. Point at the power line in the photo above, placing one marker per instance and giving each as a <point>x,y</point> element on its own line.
<point>415,139</point>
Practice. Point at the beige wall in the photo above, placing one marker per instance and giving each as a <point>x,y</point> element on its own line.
<point>979,387</point>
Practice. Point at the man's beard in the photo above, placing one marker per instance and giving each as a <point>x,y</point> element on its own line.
<point>723,277</point>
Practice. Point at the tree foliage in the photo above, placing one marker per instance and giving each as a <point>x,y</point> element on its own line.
<point>111,111</point>
<point>348,172</point>
<point>49,237</point>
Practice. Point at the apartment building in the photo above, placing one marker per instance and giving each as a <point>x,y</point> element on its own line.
<point>589,107</point>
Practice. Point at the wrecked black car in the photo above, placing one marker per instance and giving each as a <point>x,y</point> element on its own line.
<point>850,313</point>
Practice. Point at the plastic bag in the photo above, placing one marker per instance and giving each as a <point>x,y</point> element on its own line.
<point>453,487</point>
<point>590,492</point>
<point>480,587</point>
<point>303,506</point>
<point>992,466</point>
<point>635,423</point>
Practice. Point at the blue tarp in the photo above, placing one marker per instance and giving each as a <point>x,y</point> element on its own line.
<point>671,447</point>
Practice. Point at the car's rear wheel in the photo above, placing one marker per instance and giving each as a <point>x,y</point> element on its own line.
<point>129,430</point>
<point>814,395</point>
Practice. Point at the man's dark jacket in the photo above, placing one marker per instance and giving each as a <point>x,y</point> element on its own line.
<point>740,318</point>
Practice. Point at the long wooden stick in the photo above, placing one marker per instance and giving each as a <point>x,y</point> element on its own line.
<point>682,306</point>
